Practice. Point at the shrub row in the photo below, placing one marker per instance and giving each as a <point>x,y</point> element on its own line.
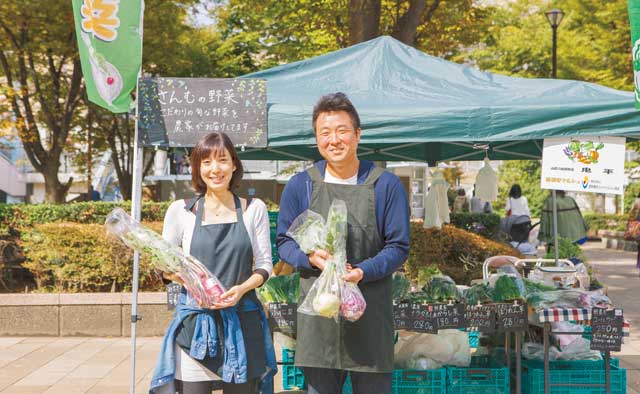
<point>601,221</point>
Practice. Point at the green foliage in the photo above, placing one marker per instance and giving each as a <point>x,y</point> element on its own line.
<point>601,221</point>
<point>19,217</point>
<point>566,250</point>
<point>526,173</point>
<point>631,193</point>
<point>593,41</point>
<point>73,257</point>
<point>457,253</point>
<point>484,224</point>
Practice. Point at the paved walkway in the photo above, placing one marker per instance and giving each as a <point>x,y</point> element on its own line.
<point>101,365</point>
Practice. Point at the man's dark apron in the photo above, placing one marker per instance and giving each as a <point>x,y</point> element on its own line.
<point>367,344</point>
<point>225,249</point>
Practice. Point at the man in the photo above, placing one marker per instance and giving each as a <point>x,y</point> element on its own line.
<point>377,245</point>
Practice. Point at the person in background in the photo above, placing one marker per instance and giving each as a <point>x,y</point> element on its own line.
<point>517,204</point>
<point>571,224</point>
<point>477,205</point>
<point>377,245</point>
<point>461,203</point>
<point>634,215</point>
<point>230,235</point>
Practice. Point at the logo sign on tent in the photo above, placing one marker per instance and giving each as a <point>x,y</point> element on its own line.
<point>180,111</point>
<point>585,164</point>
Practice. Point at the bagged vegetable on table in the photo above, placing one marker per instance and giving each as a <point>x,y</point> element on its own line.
<point>204,287</point>
<point>400,287</point>
<point>441,288</point>
<point>478,294</point>
<point>280,289</point>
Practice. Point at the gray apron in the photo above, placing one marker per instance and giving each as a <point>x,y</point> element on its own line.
<point>225,249</point>
<point>367,344</point>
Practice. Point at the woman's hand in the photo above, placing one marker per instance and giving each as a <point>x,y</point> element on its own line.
<point>230,297</point>
<point>172,277</point>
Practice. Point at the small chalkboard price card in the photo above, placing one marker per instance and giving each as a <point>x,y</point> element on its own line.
<point>511,317</point>
<point>173,295</point>
<point>180,111</point>
<point>606,327</point>
<point>283,317</point>
<point>402,316</point>
<point>423,319</point>
<point>449,316</point>
<point>480,318</point>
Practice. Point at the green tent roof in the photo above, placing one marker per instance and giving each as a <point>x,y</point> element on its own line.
<point>418,107</point>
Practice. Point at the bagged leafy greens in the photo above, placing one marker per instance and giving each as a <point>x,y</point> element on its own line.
<point>441,288</point>
<point>280,289</point>
<point>330,295</point>
<point>201,284</point>
<point>478,294</point>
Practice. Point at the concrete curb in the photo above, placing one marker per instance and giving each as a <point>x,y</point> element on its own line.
<point>82,314</point>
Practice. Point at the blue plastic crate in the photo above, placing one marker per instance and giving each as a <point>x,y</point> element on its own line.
<point>483,376</point>
<point>292,377</point>
<point>581,372</point>
<point>474,339</point>
<point>273,232</point>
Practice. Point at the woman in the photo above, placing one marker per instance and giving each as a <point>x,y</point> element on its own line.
<point>461,204</point>
<point>230,236</point>
<point>517,204</point>
<point>634,215</point>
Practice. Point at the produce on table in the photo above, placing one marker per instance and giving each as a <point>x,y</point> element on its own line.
<point>280,289</point>
<point>506,289</point>
<point>201,284</point>
<point>535,287</point>
<point>478,294</point>
<point>441,288</point>
<point>571,298</point>
<point>400,287</point>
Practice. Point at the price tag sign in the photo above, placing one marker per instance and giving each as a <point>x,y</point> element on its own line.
<point>283,317</point>
<point>423,319</point>
<point>480,317</point>
<point>173,295</point>
<point>511,317</point>
<point>449,316</point>
<point>402,316</point>
<point>606,327</point>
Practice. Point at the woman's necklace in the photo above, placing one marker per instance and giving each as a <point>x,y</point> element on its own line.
<point>216,207</point>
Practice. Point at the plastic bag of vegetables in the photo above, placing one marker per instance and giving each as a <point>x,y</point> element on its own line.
<point>441,288</point>
<point>280,289</point>
<point>478,294</point>
<point>325,296</point>
<point>204,288</point>
<point>506,289</point>
<point>309,231</point>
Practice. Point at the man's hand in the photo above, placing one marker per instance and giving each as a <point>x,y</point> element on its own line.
<point>318,258</point>
<point>354,275</point>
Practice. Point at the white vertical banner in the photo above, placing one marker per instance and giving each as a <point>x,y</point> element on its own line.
<point>584,164</point>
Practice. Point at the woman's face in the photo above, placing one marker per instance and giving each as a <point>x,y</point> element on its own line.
<point>216,171</point>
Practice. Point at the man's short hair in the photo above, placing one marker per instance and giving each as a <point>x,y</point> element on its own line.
<point>335,102</point>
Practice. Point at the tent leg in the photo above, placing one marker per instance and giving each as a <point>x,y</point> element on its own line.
<point>136,208</point>
<point>555,224</point>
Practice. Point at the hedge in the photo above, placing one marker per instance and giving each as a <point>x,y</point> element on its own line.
<point>601,221</point>
<point>455,252</point>
<point>15,217</point>
<point>485,224</point>
<point>73,257</point>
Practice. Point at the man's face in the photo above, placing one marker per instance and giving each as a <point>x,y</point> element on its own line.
<point>337,138</point>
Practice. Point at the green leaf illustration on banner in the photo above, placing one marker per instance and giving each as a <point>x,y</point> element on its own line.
<point>109,34</point>
<point>634,17</point>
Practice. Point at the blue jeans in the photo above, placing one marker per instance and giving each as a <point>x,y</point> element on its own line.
<point>330,381</point>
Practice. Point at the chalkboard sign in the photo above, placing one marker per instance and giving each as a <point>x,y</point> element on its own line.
<point>606,327</point>
<point>283,317</point>
<point>480,318</point>
<point>173,295</point>
<point>511,317</point>
<point>402,316</point>
<point>449,316</point>
<point>179,111</point>
<point>423,319</point>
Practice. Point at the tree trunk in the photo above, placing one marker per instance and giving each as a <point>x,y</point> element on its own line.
<point>407,25</point>
<point>364,20</point>
<point>55,190</point>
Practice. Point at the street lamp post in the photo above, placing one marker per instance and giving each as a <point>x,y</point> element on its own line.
<point>554,17</point>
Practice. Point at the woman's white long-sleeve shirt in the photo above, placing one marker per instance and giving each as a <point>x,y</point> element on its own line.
<point>179,223</point>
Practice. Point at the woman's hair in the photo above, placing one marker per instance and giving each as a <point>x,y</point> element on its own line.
<point>461,192</point>
<point>216,144</point>
<point>515,191</point>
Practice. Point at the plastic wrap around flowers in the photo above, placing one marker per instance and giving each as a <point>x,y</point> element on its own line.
<point>330,295</point>
<point>201,284</point>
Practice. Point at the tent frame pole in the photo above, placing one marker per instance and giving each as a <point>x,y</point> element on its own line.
<point>555,224</point>
<point>136,209</point>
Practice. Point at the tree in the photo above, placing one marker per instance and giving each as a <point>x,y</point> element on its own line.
<point>42,82</point>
